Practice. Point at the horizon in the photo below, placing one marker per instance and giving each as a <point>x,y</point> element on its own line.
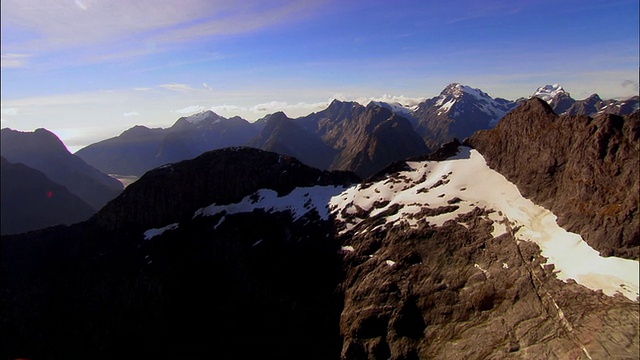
<point>87,70</point>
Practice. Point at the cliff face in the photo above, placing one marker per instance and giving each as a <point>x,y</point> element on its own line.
<point>583,169</point>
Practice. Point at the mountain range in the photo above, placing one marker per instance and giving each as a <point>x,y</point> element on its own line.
<point>520,241</point>
<point>344,136</point>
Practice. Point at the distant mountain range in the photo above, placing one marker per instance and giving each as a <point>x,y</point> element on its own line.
<point>344,136</point>
<point>244,253</point>
<point>563,104</point>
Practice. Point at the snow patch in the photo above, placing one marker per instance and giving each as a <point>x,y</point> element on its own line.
<point>151,233</point>
<point>432,192</point>
<point>299,202</point>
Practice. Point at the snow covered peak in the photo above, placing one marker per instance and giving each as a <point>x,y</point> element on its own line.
<point>201,116</point>
<point>395,107</point>
<point>548,92</point>
<point>458,90</point>
<point>465,98</point>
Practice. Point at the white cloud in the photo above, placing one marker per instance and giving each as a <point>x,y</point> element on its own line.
<point>190,109</point>
<point>401,99</point>
<point>274,106</point>
<point>129,114</point>
<point>228,108</point>
<point>207,86</point>
<point>13,60</point>
<point>176,87</point>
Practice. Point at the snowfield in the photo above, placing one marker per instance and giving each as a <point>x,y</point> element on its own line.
<point>460,184</point>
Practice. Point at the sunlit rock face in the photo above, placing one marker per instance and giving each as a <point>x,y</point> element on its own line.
<point>583,169</point>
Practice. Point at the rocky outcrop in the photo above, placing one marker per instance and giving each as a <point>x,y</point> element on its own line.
<point>583,169</point>
<point>43,151</point>
<point>456,292</point>
<point>32,201</point>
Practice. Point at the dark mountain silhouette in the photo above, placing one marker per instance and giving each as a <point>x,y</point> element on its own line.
<point>43,151</point>
<point>584,169</point>
<point>31,201</point>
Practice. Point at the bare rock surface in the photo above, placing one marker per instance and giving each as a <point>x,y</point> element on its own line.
<point>583,169</point>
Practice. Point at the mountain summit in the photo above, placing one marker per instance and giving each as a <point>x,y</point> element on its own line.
<point>457,112</point>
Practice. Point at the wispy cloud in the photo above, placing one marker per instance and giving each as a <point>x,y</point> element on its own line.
<point>143,26</point>
<point>273,106</point>
<point>13,60</point>
<point>176,87</point>
<point>131,113</point>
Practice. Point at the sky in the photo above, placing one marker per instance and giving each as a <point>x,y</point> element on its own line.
<point>90,69</point>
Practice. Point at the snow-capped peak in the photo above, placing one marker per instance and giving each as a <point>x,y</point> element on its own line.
<point>548,92</point>
<point>199,117</point>
<point>455,92</point>
<point>395,107</point>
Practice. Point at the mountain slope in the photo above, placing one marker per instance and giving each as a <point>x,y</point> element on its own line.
<point>366,139</point>
<point>581,168</point>
<point>43,151</point>
<point>31,201</point>
<point>285,136</point>
<point>119,285</point>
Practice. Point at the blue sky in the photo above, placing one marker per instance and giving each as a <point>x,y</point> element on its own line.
<point>89,69</point>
